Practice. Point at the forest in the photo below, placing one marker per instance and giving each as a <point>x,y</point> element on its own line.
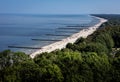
<point>92,59</point>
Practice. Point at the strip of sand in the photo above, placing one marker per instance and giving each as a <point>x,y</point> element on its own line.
<point>62,44</point>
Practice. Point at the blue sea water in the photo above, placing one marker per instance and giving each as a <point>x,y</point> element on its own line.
<point>20,29</point>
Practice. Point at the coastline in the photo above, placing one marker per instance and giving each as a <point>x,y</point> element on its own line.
<point>62,44</point>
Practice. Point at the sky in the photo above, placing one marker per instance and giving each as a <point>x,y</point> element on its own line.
<point>60,6</point>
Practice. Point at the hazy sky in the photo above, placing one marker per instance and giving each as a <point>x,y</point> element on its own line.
<point>60,6</point>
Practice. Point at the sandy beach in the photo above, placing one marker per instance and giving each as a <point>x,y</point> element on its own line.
<point>62,44</point>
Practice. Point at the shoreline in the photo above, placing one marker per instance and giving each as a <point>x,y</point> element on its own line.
<point>62,44</point>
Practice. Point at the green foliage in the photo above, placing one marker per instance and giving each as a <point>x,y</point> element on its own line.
<point>105,39</point>
<point>8,58</point>
<point>23,72</point>
<point>48,67</point>
<point>12,64</point>
<point>116,36</point>
<point>117,54</point>
<point>116,69</point>
<point>99,65</point>
<point>69,63</point>
<point>96,47</point>
<point>80,40</point>
<point>51,73</point>
<point>74,47</point>
<point>29,72</point>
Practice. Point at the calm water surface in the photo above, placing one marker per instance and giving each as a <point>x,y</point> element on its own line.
<point>19,30</point>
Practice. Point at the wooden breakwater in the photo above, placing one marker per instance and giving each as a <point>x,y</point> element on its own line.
<point>57,35</point>
<point>45,40</point>
<point>25,47</point>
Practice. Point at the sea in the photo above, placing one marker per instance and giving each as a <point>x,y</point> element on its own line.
<point>29,32</point>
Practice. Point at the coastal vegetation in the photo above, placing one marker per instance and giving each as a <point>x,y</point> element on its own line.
<point>92,59</point>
